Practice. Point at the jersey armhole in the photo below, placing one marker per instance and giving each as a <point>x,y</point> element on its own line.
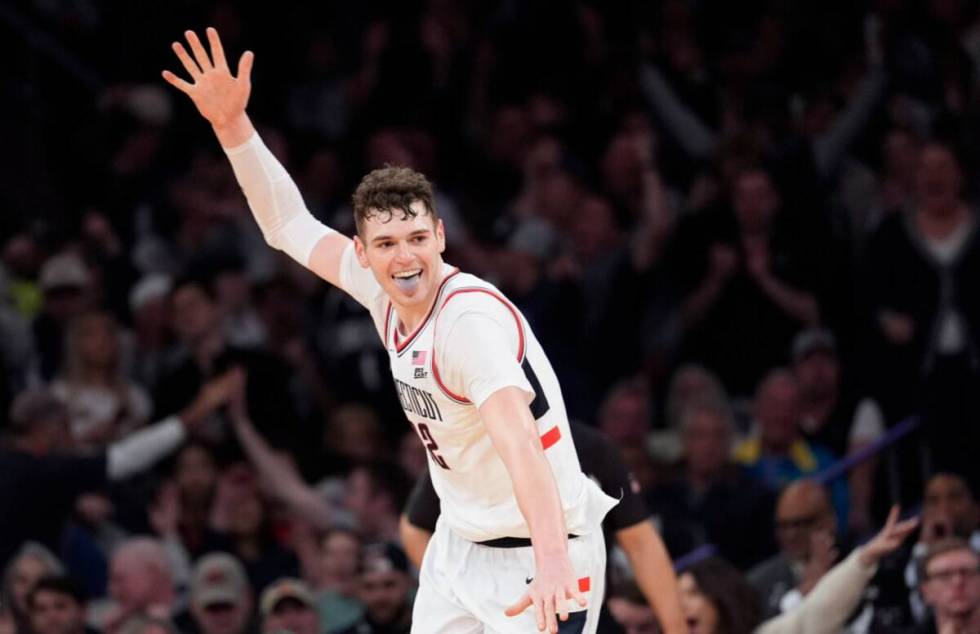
<point>521,348</point>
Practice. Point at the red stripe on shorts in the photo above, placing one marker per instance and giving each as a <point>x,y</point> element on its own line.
<point>550,437</point>
<point>584,584</point>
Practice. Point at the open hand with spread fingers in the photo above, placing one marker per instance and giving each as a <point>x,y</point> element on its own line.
<point>220,97</point>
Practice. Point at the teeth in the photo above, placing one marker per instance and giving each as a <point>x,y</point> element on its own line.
<point>404,274</point>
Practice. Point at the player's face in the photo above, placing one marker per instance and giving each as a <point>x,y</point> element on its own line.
<point>405,255</point>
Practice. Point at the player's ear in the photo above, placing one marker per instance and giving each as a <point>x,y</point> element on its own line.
<point>440,235</point>
<point>360,252</point>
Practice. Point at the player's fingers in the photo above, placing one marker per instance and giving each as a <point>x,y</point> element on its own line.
<point>177,82</point>
<point>245,66</point>
<point>217,51</point>
<point>562,605</point>
<point>519,606</point>
<point>573,593</point>
<point>198,49</point>
<point>539,614</point>
<point>189,65</point>
<point>905,527</point>
<point>550,615</point>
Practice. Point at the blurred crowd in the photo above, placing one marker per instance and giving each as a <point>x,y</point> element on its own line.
<point>744,232</point>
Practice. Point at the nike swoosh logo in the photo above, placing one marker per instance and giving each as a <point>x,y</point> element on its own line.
<point>528,580</point>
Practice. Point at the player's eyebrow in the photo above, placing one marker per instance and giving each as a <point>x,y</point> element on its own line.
<point>386,238</point>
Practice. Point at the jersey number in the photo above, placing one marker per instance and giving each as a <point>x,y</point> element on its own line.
<point>431,445</point>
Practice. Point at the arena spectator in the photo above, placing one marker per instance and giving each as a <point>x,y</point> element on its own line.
<point>57,606</point>
<point>926,320</point>
<point>712,500</point>
<point>141,584</point>
<point>716,598</point>
<point>336,582</point>
<point>103,405</point>
<point>949,579</point>
<point>41,479</point>
<point>31,562</point>
<point>66,286</point>
<point>777,452</point>
<point>630,611</point>
<point>220,596</point>
<point>287,605</point>
<point>384,588</point>
<point>831,418</point>
<point>806,530</point>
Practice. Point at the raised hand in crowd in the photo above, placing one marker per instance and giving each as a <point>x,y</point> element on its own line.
<point>890,537</point>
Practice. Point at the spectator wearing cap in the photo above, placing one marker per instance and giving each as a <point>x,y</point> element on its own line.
<point>66,288</point>
<point>220,596</point>
<point>833,419</point>
<point>56,605</point>
<point>40,478</point>
<point>385,590</point>
<point>287,605</point>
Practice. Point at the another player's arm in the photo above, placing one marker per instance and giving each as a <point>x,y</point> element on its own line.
<point>272,195</point>
<point>654,574</point>
<point>414,539</point>
<point>512,430</point>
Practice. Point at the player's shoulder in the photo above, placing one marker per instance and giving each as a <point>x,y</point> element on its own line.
<point>467,293</point>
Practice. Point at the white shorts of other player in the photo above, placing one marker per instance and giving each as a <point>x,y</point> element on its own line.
<point>464,587</point>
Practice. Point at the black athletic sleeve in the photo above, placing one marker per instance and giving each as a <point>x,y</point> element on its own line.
<point>600,459</point>
<point>423,507</point>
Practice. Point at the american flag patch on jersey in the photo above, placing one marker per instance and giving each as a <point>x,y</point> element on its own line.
<point>418,357</point>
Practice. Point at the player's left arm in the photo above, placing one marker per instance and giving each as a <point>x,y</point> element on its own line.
<point>515,436</point>
<point>480,337</point>
<point>654,574</point>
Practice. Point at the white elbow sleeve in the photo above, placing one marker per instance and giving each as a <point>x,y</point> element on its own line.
<point>275,201</point>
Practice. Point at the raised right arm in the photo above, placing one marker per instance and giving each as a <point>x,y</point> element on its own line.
<point>272,195</point>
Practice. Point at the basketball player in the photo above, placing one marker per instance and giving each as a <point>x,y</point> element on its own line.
<point>520,523</point>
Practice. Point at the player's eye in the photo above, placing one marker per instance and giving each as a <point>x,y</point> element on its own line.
<point>419,239</point>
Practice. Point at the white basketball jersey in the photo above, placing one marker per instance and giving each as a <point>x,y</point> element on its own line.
<point>475,490</point>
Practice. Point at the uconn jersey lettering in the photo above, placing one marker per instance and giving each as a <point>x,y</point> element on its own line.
<point>416,401</point>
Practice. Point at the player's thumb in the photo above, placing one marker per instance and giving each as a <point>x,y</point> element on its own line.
<point>245,66</point>
<point>522,604</point>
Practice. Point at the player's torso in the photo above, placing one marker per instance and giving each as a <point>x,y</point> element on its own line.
<point>473,484</point>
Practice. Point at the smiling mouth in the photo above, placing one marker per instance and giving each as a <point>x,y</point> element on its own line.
<point>407,275</point>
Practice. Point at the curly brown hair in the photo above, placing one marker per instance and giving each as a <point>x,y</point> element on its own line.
<point>389,190</point>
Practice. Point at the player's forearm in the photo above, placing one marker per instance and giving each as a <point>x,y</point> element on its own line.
<point>538,499</point>
<point>414,539</point>
<point>654,574</point>
<point>273,197</point>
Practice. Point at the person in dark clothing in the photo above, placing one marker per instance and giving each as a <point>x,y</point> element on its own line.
<point>712,500</point>
<point>40,478</point>
<point>749,280</point>
<point>199,325</point>
<point>384,589</point>
<point>923,269</point>
<point>629,522</point>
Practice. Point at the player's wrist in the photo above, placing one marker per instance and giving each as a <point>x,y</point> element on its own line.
<point>234,131</point>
